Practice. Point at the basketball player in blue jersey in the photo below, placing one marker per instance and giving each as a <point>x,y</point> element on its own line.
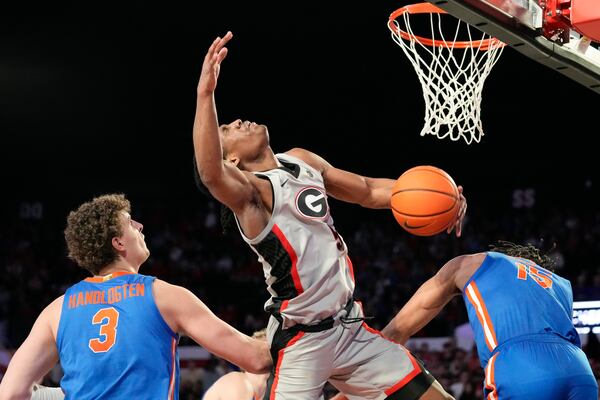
<point>116,333</point>
<point>521,315</point>
<point>316,331</point>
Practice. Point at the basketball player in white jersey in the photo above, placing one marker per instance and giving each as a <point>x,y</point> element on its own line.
<point>41,392</point>
<point>240,385</point>
<point>316,331</point>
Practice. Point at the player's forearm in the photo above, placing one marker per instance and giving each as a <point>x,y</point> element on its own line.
<point>207,142</point>
<point>380,190</point>
<point>11,391</point>
<point>425,304</point>
<point>261,359</point>
<point>249,354</point>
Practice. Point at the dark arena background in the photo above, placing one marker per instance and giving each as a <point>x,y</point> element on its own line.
<point>99,98</point>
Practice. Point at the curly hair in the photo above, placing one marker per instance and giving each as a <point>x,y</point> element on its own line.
<point>91,228</point>
<point>528,252</point>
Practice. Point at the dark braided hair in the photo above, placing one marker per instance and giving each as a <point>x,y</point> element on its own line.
<point>528,251</point>
<point>227,218</point>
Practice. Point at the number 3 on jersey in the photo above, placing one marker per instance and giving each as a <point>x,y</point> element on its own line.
<point>541,276</point>
<point>109,318</point>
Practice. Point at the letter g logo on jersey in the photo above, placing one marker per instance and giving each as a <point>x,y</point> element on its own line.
<point>312,203</point>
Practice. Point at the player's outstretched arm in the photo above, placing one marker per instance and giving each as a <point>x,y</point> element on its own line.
<point>425,304</point>
<point>187,314</point>
<point>224,180</point>
<point>36,356</point>
<point>367,192</point>
<point>348,186</point>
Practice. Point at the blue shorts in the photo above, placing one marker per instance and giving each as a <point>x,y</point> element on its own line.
<point>539,367</point>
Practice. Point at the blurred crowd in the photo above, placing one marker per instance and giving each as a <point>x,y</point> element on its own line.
<point>188,248</point>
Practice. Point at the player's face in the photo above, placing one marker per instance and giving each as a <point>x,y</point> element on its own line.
<point>245,139</point>
<point>133,240</point>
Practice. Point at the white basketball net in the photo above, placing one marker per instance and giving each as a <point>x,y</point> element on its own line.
<point>452,78</point>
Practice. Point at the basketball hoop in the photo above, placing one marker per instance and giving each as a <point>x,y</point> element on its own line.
<point>451,72</point>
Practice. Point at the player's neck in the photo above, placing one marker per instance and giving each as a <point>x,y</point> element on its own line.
<point>264,162</point>
<point>119,266</point>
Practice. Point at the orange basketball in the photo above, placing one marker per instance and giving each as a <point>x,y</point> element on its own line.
<point>425,200</point>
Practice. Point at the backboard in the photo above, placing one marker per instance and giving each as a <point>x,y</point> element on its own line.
<point>550,34</point>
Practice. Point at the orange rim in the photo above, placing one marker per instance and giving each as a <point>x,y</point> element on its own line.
<point>428,8</point>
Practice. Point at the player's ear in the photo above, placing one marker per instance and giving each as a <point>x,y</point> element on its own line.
<point>234,159</point>
<point>118,244</point>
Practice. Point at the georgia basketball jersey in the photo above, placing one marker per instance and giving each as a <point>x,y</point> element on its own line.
<point>509,297</point>
<point>305,261</point>
<point>114,344</point>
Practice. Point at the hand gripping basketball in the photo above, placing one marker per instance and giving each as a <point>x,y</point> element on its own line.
<point>426,201</point>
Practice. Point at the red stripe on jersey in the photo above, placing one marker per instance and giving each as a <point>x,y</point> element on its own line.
<point>351,268</point>
<point>279,361</point>
<point>416,368</point>
<point>293,257</point>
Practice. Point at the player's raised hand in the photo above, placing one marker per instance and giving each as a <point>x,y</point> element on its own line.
<point>212,64</point>
<point>462,211</point>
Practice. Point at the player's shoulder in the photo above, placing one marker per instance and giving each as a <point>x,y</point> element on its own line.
<point>473,259</point>
<point>233,385</point>
<point>167,291</point>
<point>233,377</point>
<point>461,268</point>
<point>50,316</point>
<point>313,160</point>
<point>467,261</point>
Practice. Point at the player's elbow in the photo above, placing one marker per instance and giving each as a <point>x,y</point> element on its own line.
<point>395,332</point>
<point>367,201</point>
<point>210,177</point>
<point>374,197</point>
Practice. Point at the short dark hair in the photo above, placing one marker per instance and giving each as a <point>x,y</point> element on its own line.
<point>91,228</point>
<point>227,217</point>
<point>527,251</point>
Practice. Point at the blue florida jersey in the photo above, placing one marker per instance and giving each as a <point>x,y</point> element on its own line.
<point>114,344</point>
<point>509,297</point>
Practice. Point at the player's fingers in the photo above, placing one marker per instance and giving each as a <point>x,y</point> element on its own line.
<point>223,41</point>
<point>211,49</point>
<point>451,227</point>
<point>222,54</point>
<point>228,36</point>
<point>461,220</point>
